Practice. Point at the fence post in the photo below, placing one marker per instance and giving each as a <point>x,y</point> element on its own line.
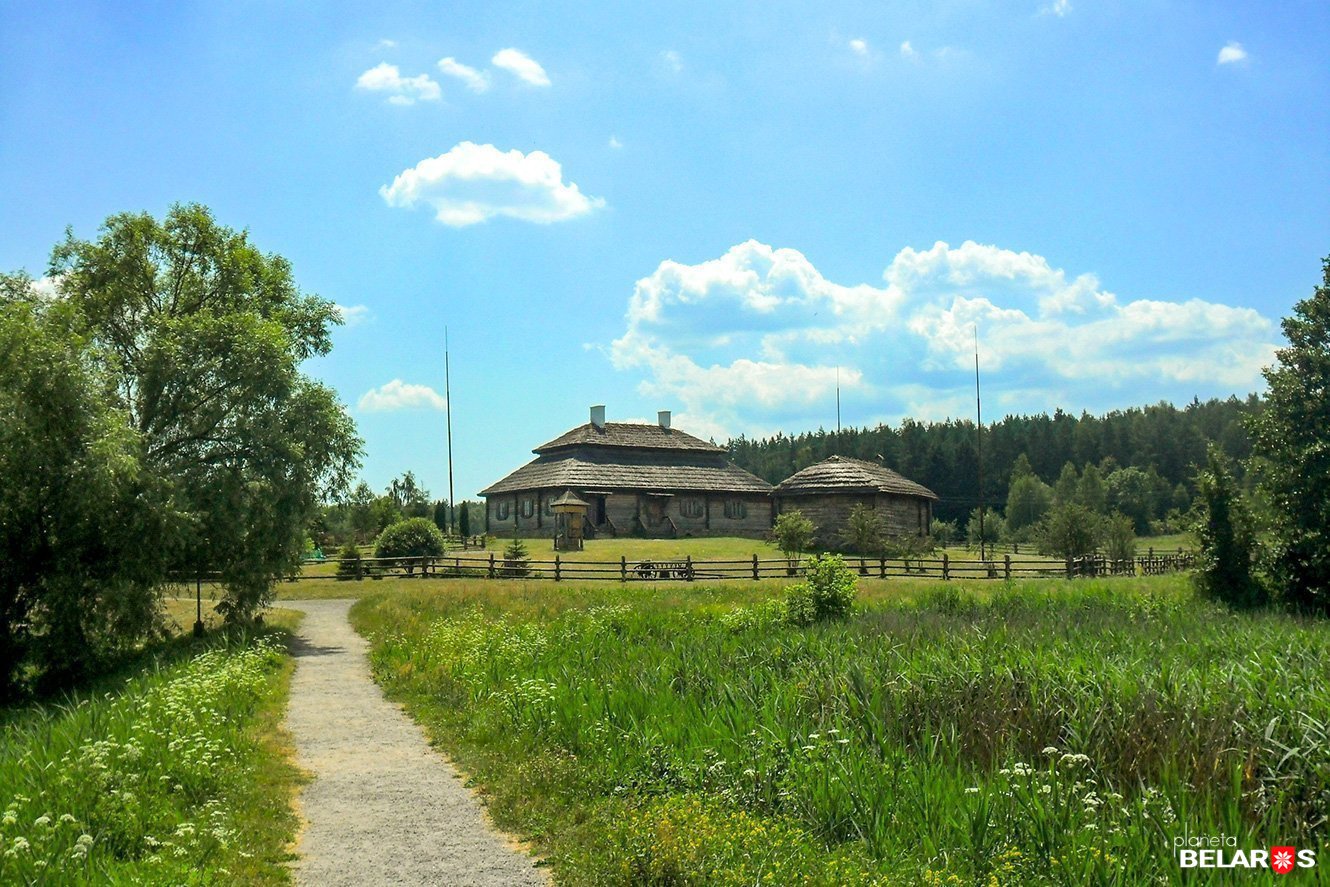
<point>882,566</point>
<point>556,568</point>
<point>360,567</point>
<point>1006,567</point>
<point>688,568</point>
<point>1068,566</point>
<point>946,566</point>
<point>491,565</point>
<point>755,568</point>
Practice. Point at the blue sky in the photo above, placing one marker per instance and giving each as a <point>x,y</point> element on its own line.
<point>708,208</point>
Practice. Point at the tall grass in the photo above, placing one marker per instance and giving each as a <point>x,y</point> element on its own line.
<point>171,779</point>
<point>1063,733</point>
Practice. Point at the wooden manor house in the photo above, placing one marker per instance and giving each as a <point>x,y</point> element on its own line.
<point>638,479</point>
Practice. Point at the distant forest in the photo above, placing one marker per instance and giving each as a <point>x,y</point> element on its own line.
<point>1163,442</point>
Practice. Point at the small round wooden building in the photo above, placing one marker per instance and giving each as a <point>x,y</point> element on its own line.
<point>827,491</point>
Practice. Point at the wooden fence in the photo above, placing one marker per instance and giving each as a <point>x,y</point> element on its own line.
<point>689,570</point>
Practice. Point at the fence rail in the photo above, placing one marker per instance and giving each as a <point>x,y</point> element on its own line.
<point>689,570</point>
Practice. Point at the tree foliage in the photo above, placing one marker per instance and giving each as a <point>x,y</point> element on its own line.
<point>793,533</point>
<point>78,514</point>
<point>865,531</point>
<point>941,455</point>
<point>1227,541</point>
<point>1292,435</point>
<point>413,537</point>
<point>202,336</point>
<point>1070,530</point>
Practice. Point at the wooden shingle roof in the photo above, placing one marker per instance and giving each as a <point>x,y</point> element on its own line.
<point>628,471</point>
<point>629,435</point>
<point>840,474</point>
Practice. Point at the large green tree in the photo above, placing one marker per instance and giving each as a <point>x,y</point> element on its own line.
<point>203,336</point>
<point>1292,435</point>
<point>77,581</point>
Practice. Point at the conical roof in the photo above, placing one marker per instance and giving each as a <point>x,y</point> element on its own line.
<point>840,474</point>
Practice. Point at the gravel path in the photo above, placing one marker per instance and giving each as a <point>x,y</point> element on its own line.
<point>383,807</point>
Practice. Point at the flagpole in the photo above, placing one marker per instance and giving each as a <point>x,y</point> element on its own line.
<point>979,440</point>
<point>448,407</point>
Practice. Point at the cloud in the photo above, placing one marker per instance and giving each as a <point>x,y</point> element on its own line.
<point>750,342</point>
<point>672,60</point>
<point>521,65</point>
<point>399,395</point>
<point>615,143</point>
<point>476,81</point>
<point>47,288</point>
<point>384,77</point>
<point>908,52</point>
<point>472,183</point>
<point>859,47</point>
<point>1232,53</point>
<point>353,315</point>
<point>1059,8</point>
<point>385,43</point>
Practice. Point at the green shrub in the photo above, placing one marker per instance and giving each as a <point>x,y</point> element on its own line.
<point>793,533</point>
<point>865,531</point>
<point>414,537</point>
<point>348,563</point>
<point>827,592</point>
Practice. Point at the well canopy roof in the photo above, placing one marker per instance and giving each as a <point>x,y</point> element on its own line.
<point>631,435</point>
<point>841,474</point>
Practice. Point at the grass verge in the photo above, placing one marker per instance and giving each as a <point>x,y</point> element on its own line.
<point>180,775</point>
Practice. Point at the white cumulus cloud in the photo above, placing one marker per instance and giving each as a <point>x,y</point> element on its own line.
<point>750,342</point>
<point>387,78</point>
<point>908,52</point>
<point>352,315</point>
<point>472,183</point>
<point>1231,54</point>
<point>859,47</point>
<point>399,395</point>
<point>1059,8</point>
<point>476,81</point>
<point>521,65</point>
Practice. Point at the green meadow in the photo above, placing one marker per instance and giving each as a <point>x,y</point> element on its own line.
<point>963,733</point>
<point>173,770</point>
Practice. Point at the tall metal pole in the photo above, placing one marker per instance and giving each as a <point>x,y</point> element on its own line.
<point>979,440</point>
<point>837,406</point>
<point>448,406</point>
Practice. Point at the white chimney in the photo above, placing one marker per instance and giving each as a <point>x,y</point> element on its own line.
<point>598,415</point>
<point>663,417</point>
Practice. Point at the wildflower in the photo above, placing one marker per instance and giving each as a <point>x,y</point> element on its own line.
<point>66,818</point>
<point>41,821</point>
<point>1050,750</point>
<point>972,790</point>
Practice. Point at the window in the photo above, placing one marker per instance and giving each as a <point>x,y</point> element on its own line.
<point>528,507</point>
<point>691,507</point>
<point>736,509</point>
<point>501,510</point>
<point>549,507</point>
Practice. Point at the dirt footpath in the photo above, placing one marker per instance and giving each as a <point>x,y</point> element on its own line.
<point>383,807</point>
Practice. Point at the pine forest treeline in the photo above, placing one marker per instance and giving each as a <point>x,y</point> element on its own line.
<point>1164,442</point>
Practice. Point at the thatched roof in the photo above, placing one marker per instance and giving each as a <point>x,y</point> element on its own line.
<point>840,474</point>
<point>648,472</point>
<point>628,435</point>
